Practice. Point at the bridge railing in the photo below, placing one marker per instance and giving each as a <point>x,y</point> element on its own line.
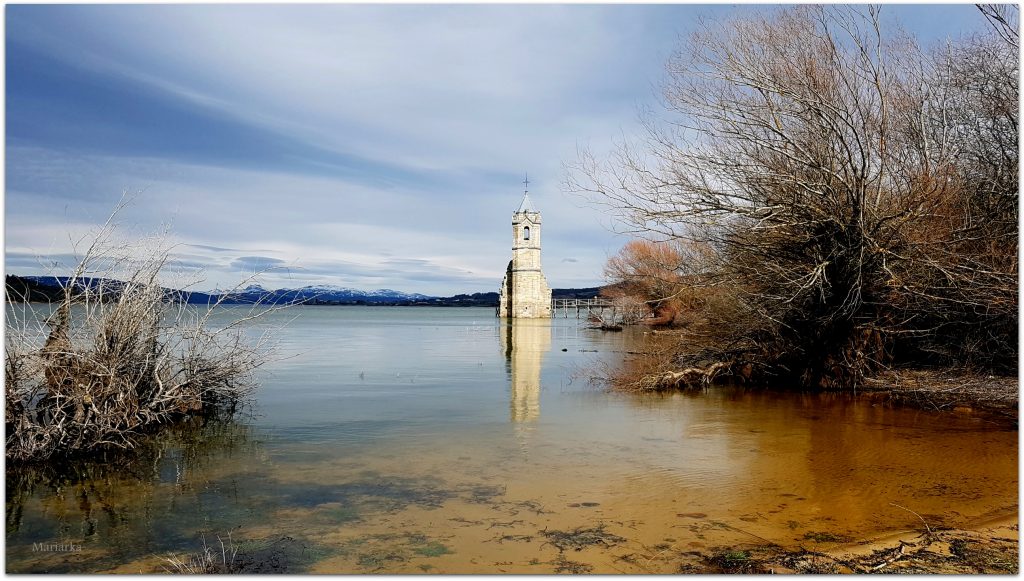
<point>582,307</point>
<point>580,303</point>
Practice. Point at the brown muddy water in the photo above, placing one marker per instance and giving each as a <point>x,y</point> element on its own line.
<point>411,440</point>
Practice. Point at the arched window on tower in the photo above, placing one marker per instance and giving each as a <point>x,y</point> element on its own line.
<point>526,233</point>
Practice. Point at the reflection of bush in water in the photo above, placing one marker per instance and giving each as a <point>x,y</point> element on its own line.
<point>254,556</point>
<point>116,481</point>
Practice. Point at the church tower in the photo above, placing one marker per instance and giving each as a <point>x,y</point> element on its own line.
<point>525,292</point>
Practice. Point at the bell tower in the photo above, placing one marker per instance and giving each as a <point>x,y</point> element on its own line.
<point>525,292</point>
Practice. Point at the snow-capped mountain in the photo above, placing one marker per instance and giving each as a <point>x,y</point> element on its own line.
<point>255,293</point>
<point>322,294</point>
<point>47,288</point>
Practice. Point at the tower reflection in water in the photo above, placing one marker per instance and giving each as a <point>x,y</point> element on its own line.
<point>525,342</point>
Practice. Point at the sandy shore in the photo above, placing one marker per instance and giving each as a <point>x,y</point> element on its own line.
<point>988,547</point>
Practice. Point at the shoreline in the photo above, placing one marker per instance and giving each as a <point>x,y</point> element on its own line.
<point>949,390</point>
<point>957,390</point>
<point>989,546</point>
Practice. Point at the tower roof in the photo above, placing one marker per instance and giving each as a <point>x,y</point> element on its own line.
<point>527,205</point>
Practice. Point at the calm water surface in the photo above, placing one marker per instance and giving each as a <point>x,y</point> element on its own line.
<point>445,440</point>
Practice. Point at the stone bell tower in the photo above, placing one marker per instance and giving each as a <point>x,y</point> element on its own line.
<point>525,292</point>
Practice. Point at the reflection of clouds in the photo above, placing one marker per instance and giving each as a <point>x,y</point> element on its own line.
<point>525,341</point>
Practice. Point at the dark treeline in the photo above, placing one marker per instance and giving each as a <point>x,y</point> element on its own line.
<point>822,199</point>
<point>21,290</point>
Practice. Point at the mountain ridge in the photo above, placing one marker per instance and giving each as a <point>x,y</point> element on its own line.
<point>49,288</point>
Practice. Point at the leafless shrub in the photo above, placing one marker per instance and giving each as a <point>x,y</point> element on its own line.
<point>207,562</point>
<point>647,275</point>
<point>1005,20</point>
<point>119,355</point>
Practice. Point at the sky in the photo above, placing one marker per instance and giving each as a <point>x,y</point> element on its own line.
<point>365,146</point>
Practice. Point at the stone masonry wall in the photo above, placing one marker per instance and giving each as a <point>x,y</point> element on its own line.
<point>524,291</point>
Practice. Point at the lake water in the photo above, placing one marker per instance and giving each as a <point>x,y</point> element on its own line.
<point>442,440</point>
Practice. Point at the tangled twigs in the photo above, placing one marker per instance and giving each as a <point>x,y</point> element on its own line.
<point>826,198</point>
<point>119,355</point>
<point>689,377</point>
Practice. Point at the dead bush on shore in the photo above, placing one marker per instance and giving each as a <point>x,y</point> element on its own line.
<point>119,355</point>
<point>661,276</point>
<point>210,561</point>
<point>854,196</point>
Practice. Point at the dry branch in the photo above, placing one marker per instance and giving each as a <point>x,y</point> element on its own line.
<point>854,197</point>
<point>119,355</point>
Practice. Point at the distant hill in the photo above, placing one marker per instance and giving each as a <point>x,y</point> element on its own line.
<point>51,288</point>
<point>21,290</point>
<point>576,293</point>
<point>48,288</point>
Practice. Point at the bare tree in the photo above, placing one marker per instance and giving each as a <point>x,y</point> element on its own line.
<point>817,158</point>
<point>958,277</point>
<point>1005,20</point>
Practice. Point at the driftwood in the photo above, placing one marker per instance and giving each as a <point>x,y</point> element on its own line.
<point>691,377</point>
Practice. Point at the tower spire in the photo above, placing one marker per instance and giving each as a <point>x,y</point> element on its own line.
<point>526,205</point>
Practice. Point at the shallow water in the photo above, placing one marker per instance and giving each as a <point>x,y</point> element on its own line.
<point>393,439</point>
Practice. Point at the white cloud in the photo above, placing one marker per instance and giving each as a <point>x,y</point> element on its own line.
<point>322,229</point>
<point>424,86</point>
<point>444,106</point>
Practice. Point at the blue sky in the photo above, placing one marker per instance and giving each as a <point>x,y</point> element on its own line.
<point>370,146</point>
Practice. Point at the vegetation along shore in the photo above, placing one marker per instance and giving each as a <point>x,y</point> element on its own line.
<point>816,369</point>
<point>117,357</point>
<point>826,206</point>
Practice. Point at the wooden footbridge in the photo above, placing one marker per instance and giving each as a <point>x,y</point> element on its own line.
<point>598,308</point>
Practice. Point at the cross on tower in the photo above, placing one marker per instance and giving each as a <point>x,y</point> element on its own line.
<point>526,183</point>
